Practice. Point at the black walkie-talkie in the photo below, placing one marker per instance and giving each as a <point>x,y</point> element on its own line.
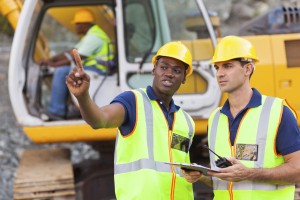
<point>222,162</point>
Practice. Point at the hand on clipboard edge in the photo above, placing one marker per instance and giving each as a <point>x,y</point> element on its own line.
<point>193,167</point>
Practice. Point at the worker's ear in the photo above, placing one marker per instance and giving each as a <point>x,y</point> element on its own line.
<point>153,69</point>
<point>249,68</point>
<point>184,79</point>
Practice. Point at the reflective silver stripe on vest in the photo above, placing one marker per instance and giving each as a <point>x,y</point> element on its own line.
<point>148,163</point>
<point>212,143</point>
<point>213,134</point>
<point>191,130</point>
<point>261,133</point>
<point>149,123</point>
<point>262,129</point>
<point>142,164</point>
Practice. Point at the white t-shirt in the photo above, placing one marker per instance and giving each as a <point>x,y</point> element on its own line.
<point>89,44</point>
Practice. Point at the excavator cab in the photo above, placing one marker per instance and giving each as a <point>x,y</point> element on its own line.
<point>136,29</point>
<point>61,37</point>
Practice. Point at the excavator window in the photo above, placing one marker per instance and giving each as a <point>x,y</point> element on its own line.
<point>139,29</point>
<point>292,49</point>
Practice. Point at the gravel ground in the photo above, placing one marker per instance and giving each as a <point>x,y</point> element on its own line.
<point>12,139</point>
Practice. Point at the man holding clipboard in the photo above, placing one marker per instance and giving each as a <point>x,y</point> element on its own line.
<point>259,134</point>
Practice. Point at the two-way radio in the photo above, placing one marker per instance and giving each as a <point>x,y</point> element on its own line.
<point>222,162</point>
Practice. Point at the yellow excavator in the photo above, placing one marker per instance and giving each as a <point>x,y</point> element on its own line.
<point>137,28</point>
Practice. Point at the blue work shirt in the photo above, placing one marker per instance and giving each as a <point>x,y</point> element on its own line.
<point>127,99</point>
<point>288,136</point>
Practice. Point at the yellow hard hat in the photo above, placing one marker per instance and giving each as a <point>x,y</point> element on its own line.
<point>231,47</point>
<point>83,16</point>
<point>178,51</point>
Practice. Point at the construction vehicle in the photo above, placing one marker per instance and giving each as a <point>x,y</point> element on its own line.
<point>137,28</point>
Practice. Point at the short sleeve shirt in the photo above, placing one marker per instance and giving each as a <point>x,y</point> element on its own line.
<point>89,44</point>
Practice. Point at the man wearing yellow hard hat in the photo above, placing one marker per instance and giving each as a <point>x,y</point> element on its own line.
<point>152,130</point>
<point>97,55</point>
<point>257,134</point>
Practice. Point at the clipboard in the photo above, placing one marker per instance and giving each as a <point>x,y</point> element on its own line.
<point>193,167</point>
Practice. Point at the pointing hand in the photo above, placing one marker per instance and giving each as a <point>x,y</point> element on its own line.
<point>78,81</point>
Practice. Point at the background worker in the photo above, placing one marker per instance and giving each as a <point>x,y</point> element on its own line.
<point>96,52</point>
<point>258,134</point>
<point>150,126</point>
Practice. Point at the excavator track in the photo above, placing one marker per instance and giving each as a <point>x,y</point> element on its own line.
<point>45,174</point>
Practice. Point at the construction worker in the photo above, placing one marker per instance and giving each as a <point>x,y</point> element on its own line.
<point>150,126</point>
<point>96,52</point>
<point>258,134</point>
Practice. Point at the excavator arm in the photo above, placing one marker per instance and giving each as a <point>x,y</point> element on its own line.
<point>10,10</point>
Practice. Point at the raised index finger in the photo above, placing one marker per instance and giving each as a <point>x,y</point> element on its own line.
<point>77,59</point>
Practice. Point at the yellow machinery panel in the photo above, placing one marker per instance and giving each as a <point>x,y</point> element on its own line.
<point>69,133</point>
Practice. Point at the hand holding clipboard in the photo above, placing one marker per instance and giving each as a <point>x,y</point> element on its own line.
<point>193,167</point>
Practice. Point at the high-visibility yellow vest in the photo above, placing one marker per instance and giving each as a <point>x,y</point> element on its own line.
<point>104,54</point>
<point>258,127</point>
<point>140,171</point>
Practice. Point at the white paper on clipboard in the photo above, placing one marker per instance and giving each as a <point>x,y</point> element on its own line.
<point>192,166</point>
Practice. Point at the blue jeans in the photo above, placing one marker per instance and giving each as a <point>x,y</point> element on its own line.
<point>59,93</point>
